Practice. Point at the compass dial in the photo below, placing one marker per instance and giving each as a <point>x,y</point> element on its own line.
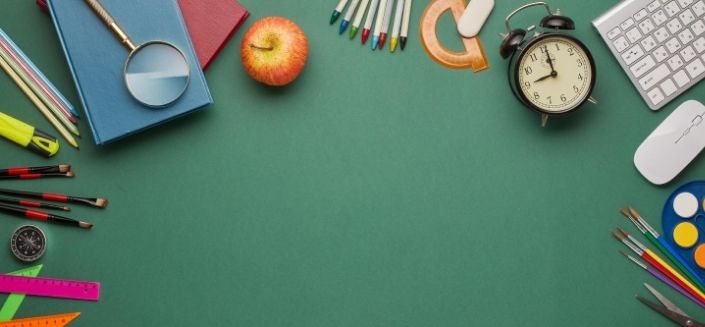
<point>28,243</point>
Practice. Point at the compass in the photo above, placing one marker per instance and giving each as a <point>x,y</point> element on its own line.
<point>28,243</point>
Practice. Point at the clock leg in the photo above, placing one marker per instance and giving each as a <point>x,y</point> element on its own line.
<point>592,100</point>
<point>544,120</point>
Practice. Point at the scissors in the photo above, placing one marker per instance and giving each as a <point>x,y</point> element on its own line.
<point>668,309</point>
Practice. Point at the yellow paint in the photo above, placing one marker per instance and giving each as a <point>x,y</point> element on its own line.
<point>685,234</point>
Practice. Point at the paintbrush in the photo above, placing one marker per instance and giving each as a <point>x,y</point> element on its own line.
<point>42,216</point>
<point>660,243</point>
<point>32,170</point>
<point>94,202</point>
<point>69,174</point>
<point>33,204</point>
<point>658,263</point>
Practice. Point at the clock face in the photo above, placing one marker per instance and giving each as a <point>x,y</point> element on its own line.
<point>555,74</point>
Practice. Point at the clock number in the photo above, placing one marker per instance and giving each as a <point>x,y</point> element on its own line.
<point>576,89</point>
<point>563,98</point>
<point>580,76</point>
<point>557,47</point>
<point>527,84</point>
<point>571,51</point>
<point>549,100</point>
<point>536,95</point>
<point>580,63</point>
<point>544,49</point>
<point>528,70</point>
<point>533,57</point>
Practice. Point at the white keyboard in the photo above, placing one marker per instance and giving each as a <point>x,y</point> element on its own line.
<point>660,44</point>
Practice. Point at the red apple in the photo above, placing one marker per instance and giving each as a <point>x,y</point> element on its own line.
<point>274,51</point>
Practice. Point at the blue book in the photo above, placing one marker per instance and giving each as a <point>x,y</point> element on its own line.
<point>97,60</point>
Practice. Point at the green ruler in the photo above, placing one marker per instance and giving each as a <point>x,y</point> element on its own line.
<point>13,302</point>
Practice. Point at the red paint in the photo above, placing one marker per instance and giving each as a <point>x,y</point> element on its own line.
<point>17,171</point>
<point>365,36</point>
<point>30,203</point>
<point>36,215</point>
<point>382,38</point>
<point>55,197</point>
<point>673,277</point>
<point>30,176</point>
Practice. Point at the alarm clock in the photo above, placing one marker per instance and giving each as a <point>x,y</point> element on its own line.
<point>551,72</point>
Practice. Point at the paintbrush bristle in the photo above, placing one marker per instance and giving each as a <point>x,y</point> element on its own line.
<point>623,232</point>
<point>617,235</point>
<point>634,212</point>
<point>101,203</point>
<point>69,174</point>
<point>625,212</point>
<point>624,253</point>
<point>85,225</point>
<point>64,168</point>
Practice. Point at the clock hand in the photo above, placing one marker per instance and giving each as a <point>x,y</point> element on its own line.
<point>552,74</point>
<point>550,62</point>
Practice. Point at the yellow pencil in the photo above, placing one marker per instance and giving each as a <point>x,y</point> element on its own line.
<point>38,103</point>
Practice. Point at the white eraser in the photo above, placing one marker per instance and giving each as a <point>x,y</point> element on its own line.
<point>474,17</point>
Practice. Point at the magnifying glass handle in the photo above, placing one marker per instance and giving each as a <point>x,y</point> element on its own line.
<point>110,22</point>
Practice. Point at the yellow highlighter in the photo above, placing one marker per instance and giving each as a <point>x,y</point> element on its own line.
<point>27,136</point>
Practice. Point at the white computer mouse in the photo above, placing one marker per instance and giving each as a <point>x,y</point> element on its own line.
<point>673,144</point>
<point>474,16</point>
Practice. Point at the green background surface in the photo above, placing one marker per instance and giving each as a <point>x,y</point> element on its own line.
<point>377,190</point>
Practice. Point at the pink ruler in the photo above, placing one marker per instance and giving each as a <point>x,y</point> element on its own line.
<point>50,287</point>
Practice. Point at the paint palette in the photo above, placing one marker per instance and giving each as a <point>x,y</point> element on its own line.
<point>683,224</point>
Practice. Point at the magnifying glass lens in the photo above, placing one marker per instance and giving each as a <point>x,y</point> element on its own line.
<point>156,74</point>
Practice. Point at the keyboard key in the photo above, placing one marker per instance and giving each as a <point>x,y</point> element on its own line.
<point>655,76</point>
<point>688,54</point>
<point>695,68</point>
<point>699,45</point>
<point>661,34</point>
<point>621,44</point>
<point>648,43</point>
<point>660,54</point>
<point>698,27</point>
<point>673,45</point>
<point>625,25</point>
<point>613,33</point>
<point>675,62</point>
<point>641,15</point>
<point>659,17</point>
<point>681,78</point>
<point>643,66</point>
<point>633,35</point>
<point>685,3</point>
<point>668,87</point>
<point>632,55</point>
<point>686,36</point>
<point>674,25</point>
<point>653,6</point>
<point>672,9</point>
<point>655,96</point>
<point>646,26</point>
<point>687,17</point>
<point>699,8</point>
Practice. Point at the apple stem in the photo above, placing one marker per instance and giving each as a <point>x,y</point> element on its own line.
<point>270,48</point>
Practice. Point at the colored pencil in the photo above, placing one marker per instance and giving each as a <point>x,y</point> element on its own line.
<point>69,124</point>
<point>368,21</point>
<point>385,23</point>
<point>33,204</point>
<point>42,216</point>
<point>378,23</point>
<point>30,170</point>
<point>660,243</point>
<point>39,77</point>
<point>662,278</point>
<point>38,103</point>
<point>348,16</point>
<point>397,26</point>
<point>95,202</point>
<point>405,24</point>
<point>358,18</point>
<point>337,11</point>
<point>654,260</point>
<point>39,175</point>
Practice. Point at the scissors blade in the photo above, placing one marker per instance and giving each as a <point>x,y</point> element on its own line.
<point>665,301</point>
<point>676,317</point>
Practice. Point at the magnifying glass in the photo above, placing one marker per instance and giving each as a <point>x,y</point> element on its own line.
<point>156,72</point>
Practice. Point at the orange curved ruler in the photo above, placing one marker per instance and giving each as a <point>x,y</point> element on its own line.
<point>59,320</point>
<point>474,56</point>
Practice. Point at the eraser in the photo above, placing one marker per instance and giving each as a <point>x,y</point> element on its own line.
<point>474,17</point>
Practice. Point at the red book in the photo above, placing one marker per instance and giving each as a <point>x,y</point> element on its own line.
<point>211,23</point>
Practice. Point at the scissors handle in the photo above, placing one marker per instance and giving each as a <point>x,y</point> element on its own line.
<point>110,22</point>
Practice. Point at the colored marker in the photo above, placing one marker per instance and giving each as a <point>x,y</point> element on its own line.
<point>385,24</point>
<point>348,17</point>
<point>358,18</point>
<point>368,21</point>
<point>405,24</point>
<point>378,23</point>
<point>337,11</point>
<point>397,25</point>
<point>27,136</point>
